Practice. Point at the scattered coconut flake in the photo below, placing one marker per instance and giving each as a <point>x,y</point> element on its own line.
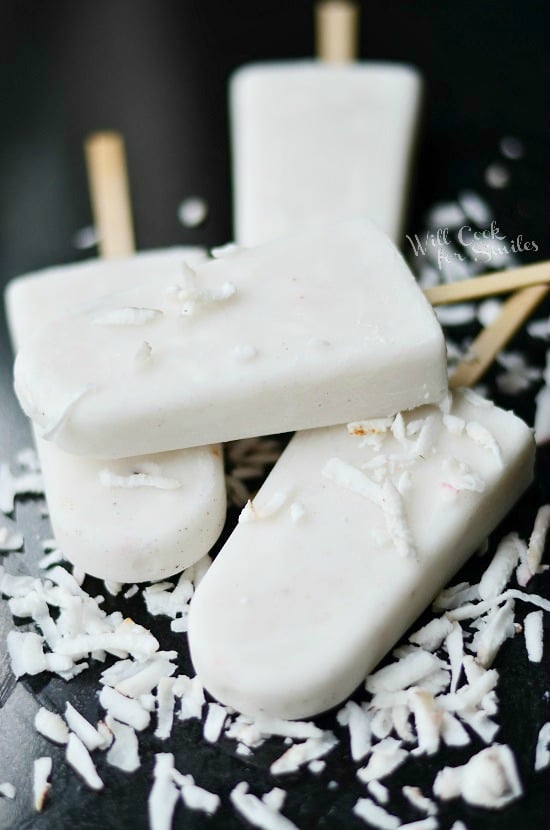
<point>445,215</point>
<point>455,650</point>
<point>28,459</point>
<point>10,541</point>
<point>489,779</point>
<point>12,486</point>
<point>537,540</point>
<point>459,825</point>
<point>511,148</point>
<point>379,791</point>
<point>499,626</point>
<point>316,767</point>
<point>415,796</point>
<point>162,598</point>
<point>400,717</point>
<point>533,631</point>
<point>453,424</point>
<point>54,557</point>
<point>429,823</point>
<point>165,697</point>
<point>540,328</point>
<point>124,709</point>
<point>358,720</point>
<point>300,754</point>
<point>192,697</point>
<point>396,520</point>
<point>472,610</point>
<point>431,636</point>
<point>78,758</point>
<point>82,728</point>
<point>488,311</point>
<point>471,695</point>
<point>297,730</point>
<point>403,673</point>
<point>481,436</point>
<point>542,752</point>
<point>458,477</point>
<point>501,566</point>
<point>456,315</point>
<point>42,768</point>
<point>382,724</point>
<point>386,757</point>
<point>214,722</point>
<point>7,790</point>
<point>164,794</point>
<point>123,752</point>
<point>51,726</point>
<point>131,592</point>
<point>195,797</point>
<point>192,211</point>
<point>111,480</point>
<point>427,721</point>
<point>26,652</point>
<point>257,811</point>
<point>374,815</point>
<point>497,175</point>
<point>350,478</point>
<point>130,316</point>
<point>452,731</point>
<point>481,724</point>
<point>475,208</point>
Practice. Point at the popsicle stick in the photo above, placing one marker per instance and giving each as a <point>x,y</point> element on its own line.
<point>492,339</point>
<point>336,30</point>
<point>488,286</point>
<point>109,192</point>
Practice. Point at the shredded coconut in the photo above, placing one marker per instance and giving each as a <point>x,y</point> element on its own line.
<point>415,796</point>
<point>358,720</point>
<point>533,631</point>
<point>542,752</point>
<point>374,815</point>
<point>164,794</point>
<point>386,757</point>
<point>257,811</point>
<point>300,754</point>
<point>489,779</point>
<point>214,722</point>
<point>51,726</point>
<point>42,768</point>
<point>79,759</point>
<point>123,752</point>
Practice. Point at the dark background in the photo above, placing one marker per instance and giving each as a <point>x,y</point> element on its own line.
<point>157,71</point>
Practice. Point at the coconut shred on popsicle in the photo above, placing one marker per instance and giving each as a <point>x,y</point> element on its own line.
<point>102,521</point>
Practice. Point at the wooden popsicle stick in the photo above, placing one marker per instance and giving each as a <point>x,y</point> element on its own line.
<point>336,30</point>
<point>109,192</point>
<point>493,338</point>
<point>488,286</point>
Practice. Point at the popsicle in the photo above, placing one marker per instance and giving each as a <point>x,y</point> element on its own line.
<point>353,533</point>
<point>319,139</point>
<point>106,525</point>
<point>292,334</point>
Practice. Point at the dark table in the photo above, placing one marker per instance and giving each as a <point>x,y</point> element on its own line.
<point>157,71</point>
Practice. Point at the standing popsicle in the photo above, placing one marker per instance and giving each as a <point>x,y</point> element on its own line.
<point>139,518</point>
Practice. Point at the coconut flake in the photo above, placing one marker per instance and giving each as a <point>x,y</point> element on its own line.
<point>82,728</point>
<point>499,626</point>
<point>78,758</point>
<point>51,726</point>
<point>396,520</point>
<point>130,316</point>
<point>349,477</point>
<point>111,480</point>
<point>403,673</point>
<point>456,315</point>
<point>195,797</point>
<point>481,436</point>
<point>123,752</point>
<point>10,541</point>
<point>374,815</point>
<point>379,791</point>
<point>427,720</point>
<point>42,768</point>
<point>533,631</point>
<point>542,752</point>
<point>386,757</point>
<point>12,486</point>
<point>297,730</point>
<point>300,754</point>
<point>455,650</point>
<point>258,812</point>
<point>431,636</point>
<point>415,797</point>
<point>7,790</point>
<point>537,539</point>
<point>489,779</point>
<point>124,709</point>
<point>164,794</point>
<point>358,720</point>
<point>297,511</point>
<point>501,566</point>
<point>192,697</point>
<point>165,697</point>
<point>452,731</point>
<point>214,722</point>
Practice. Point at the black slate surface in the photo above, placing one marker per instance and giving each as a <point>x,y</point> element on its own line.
<point>157,71</point>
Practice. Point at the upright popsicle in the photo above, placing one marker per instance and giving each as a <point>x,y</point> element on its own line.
<point>314,329</point>
<point>139,518</point>
<point>318,139</point>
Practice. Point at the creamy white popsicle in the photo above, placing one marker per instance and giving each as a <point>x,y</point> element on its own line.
<point>353,533</point>
<point>315,141</point>
<point>102,522</point>
<point>317,328</point>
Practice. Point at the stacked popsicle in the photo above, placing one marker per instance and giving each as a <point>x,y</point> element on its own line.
<point>357,527</point>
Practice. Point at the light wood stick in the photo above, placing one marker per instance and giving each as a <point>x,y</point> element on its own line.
<point>109,192</point>
<point>492,339</point>
<point>488,286</point>
<point>336,30</point>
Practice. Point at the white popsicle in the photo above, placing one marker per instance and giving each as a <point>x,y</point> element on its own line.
<point>352,535</point>
<point>318,328</point>
<point>120,533</point>
<point>315,141</point>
